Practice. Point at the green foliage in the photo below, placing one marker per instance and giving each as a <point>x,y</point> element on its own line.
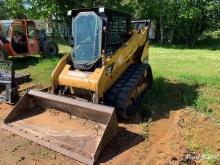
<point>41,9</point>
<point>3,9</point>
<point>16,8</point>
<point>186,19</point>
<point>145,130</point>
<point>201,104</point>
<point>179,21</point>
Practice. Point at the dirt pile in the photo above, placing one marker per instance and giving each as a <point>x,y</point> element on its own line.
<point>165,144</point>
<point>60,121</point>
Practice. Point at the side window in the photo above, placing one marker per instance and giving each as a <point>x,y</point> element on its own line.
<point>18,29</point>
<point>31,30</point>
<point>5,30</point>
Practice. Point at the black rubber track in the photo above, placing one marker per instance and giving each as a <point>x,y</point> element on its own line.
<point>119,94</point>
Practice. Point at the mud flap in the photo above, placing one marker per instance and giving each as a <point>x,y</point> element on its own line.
<point>77,129</point>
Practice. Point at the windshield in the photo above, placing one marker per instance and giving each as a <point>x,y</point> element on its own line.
<point>5,29</point>
<point>87,33</point>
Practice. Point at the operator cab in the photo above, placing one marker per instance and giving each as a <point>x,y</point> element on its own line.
<point>20,35</point>
<point>97,31</point>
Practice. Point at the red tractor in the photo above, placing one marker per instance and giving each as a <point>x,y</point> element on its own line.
<point>21,38</point>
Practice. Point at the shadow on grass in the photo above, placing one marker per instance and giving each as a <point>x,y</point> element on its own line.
<point>208,43</point>
<point>167,96</point>
<point>26,61</point>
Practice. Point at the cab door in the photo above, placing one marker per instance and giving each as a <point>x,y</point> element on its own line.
<point>33,46</point>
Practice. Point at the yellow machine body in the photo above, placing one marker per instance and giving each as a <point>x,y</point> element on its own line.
<point>102,78</point>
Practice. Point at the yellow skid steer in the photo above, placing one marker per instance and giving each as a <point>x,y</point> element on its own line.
<point>103,77</point>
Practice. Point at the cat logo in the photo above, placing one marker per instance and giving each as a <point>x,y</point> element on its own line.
<point>110,68</point>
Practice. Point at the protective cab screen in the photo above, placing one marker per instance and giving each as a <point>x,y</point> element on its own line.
<point>87,33</point>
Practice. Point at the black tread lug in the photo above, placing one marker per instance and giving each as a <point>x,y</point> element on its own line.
<point>119,93</point>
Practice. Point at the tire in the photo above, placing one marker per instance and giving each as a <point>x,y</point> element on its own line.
<point>50,48</point>
<point>3,54</point>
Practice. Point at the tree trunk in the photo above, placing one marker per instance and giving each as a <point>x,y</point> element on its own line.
<point>161,30</point>
<point>171,35</point>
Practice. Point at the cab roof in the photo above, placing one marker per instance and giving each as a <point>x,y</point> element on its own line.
<point>6,21</point>
<point>13,20</point>
<point>99,11</point>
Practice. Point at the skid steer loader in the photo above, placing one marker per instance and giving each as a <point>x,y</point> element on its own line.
<point>104,76</point>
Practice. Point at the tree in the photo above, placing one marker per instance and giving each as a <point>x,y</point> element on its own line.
<point>3,9</point>
<point>16,8</point>
<point>194,18</point>
<point>179,21</point>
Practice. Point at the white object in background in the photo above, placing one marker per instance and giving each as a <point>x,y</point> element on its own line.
<point>152,30</point>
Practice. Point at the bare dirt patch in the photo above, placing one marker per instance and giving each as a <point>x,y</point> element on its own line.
<point>202,134</point>
<point>4,110</point>
<point>17,150</point>
<point>167,141</point>
<point>61,121</point>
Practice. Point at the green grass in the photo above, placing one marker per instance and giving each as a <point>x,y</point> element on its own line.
<point>182,77</point>
<point>186,65</point>
<point>185,78</point>
<point>40,68</point>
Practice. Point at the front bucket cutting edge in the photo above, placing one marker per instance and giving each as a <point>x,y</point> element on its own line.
<point>77,129</point>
